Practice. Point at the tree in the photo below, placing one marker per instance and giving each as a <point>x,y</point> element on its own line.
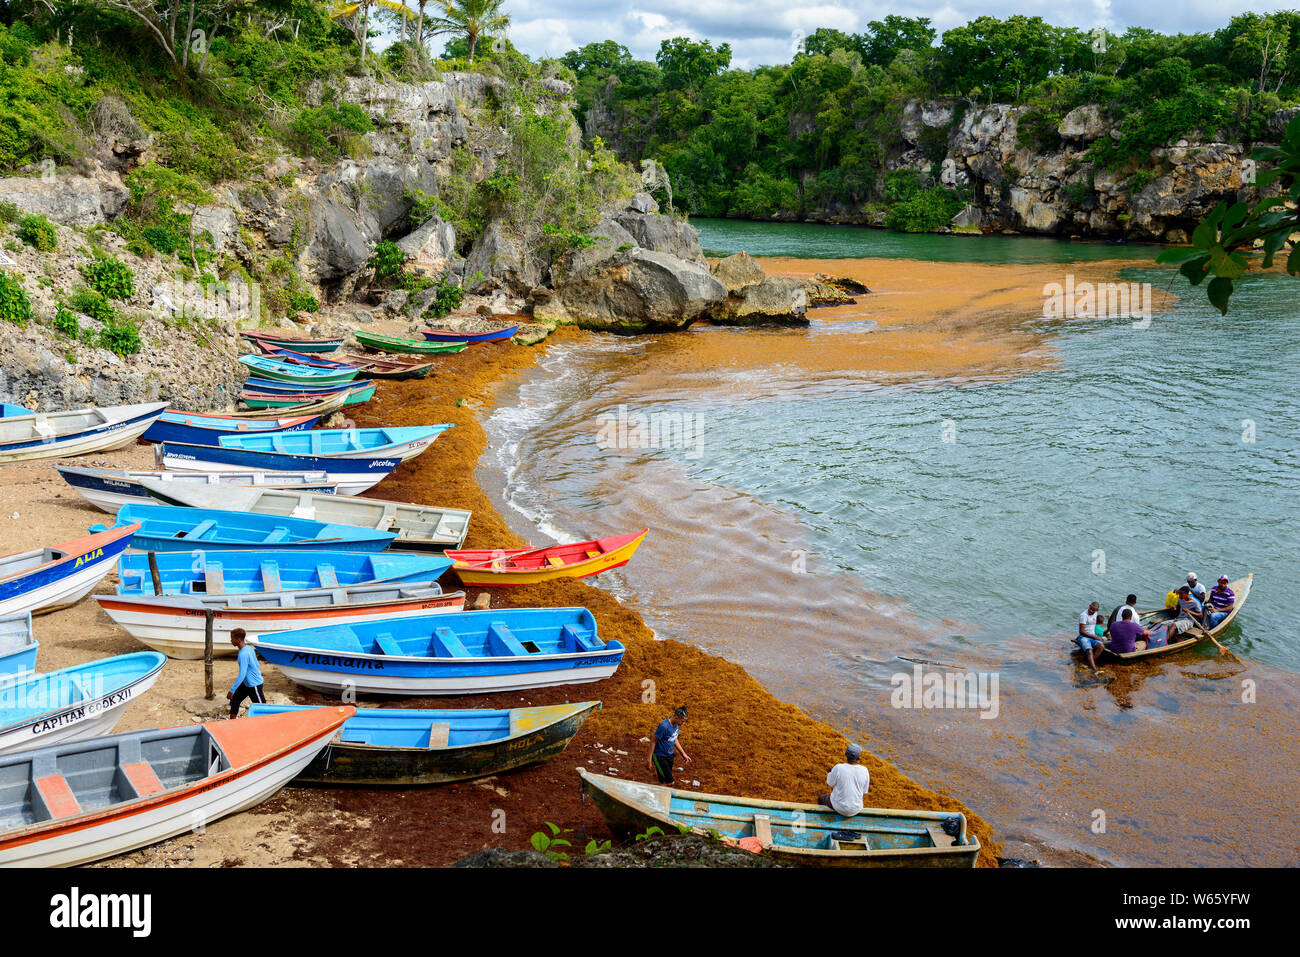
<point>686,64</point>
<point>1271,222</point>
<point>472,20</point>
<point>181,28</point>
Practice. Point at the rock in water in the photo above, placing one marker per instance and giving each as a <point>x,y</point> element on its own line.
<point>777,299</point>
<point>738,271</point>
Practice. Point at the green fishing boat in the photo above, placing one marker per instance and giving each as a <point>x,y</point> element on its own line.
<point>377,342</point>
<point>267,400</point>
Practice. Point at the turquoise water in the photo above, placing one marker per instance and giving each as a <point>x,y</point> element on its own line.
<point>722,237</point>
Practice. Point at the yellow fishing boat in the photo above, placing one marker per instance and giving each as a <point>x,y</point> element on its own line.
<point>527,566</point>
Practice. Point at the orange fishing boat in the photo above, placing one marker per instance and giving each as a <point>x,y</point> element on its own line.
<point>526,566</point>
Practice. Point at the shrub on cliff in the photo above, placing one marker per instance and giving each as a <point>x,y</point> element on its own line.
<point>15,307</point>
<point>90,303</point>
<point>38,232</point>
<point>120,336</point>
<point>110,277</point>
<point>928,211</point>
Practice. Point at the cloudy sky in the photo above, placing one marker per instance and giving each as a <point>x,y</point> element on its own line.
<point>766,31</point>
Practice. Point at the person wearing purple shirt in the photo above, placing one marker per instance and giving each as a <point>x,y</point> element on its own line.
<point>1221,600</point>
<point>1124,634</point>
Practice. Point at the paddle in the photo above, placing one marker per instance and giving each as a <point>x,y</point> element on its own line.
<point>1205,631</point>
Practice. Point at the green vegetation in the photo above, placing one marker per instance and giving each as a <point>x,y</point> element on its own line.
<point>447,299</point>
<point>388,262</point>
<point>817,134</point>
<point>110,277</point>
<point>90,303</point>
<point>38,232</point>
<point>120,336</point>
<point>15,307</point>
<point>66,322</point>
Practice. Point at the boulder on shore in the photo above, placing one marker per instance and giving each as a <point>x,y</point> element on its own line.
<point>738,271</point>
<point>777,299</point>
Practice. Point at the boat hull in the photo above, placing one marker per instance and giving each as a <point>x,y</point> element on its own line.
<point>300,669</point>
<point>484,573</point>
<point>362,765</point>
<point>626,819</point>
<point>164,429</point>
<point>102,438</point>
<point>108,491</point>
<point>350,476</point>
<point>58,584</point>
<point>17,646</point>
<point>180,631</point>
<point>298,345</point>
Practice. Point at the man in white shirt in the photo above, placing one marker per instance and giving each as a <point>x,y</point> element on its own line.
<point>1198,590</point>
<point>848,782</point>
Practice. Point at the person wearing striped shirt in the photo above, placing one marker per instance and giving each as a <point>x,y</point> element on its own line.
<point>1221,601</point>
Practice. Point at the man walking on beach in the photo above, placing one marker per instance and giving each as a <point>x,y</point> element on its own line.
<point>665,745</point>
<point>849,782</point>
<point>248,683</point>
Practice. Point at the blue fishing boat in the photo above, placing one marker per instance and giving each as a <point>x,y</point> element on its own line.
<point>468,652</point>
<point>804,835</point>
<point>17,646</point>
<point>451,335</point>
<point>6,410</point>
<point>268,368</point>
<point>206,429</point>
<point>73,704</point>
<point>167,528</point>
<point>349,476</point>
<point>401,443</point>
<point>241,573</point>
<point>44,579</point>
<point>301,358</point>
<point>410,746</point>
<point>272,387</point>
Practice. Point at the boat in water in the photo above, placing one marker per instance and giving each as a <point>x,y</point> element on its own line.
<point>1187,639</point>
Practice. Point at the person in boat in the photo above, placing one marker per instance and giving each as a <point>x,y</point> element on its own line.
<point>1198,590</point>
<point>1131,602</point>
<point>1189,606</point>
<point>1127,632</point>
<point>1220,603</point>
<point>664,746</point>
<point>248,683</point>
<point>848,783</point>
<point>1089,636</point>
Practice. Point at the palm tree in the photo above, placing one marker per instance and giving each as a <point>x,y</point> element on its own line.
<point>471,19</point>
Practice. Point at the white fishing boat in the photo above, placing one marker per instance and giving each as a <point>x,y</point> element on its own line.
<point>418,527</point>
<point>109,489</point>
<point>76,432</point>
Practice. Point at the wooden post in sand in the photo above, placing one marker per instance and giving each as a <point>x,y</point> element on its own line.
<point>207,653</point>
<point>153,573</point>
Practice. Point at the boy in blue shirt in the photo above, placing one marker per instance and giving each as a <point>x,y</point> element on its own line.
<point>665,745</point>
<point>248,683</point>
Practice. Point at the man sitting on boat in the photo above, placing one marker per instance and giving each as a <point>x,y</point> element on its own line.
<point>1131,603</point>
<point>1189,606</point>
<point>1198,590</point>
<point>1221,601</point>
<point>1089,636</point>
<point>848,782</point>
<point>1126,633</point>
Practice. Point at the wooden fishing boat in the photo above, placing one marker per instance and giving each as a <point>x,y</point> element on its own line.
<point>404,747</point>
<point>350,476</point>
<point>45,435</point>
<point>1190,638</point>
<point>526,566</point>
<point>418,527</point>
<point>393,367</point>
<point>377,342</point>
<point>240,573</point>
<point>297,401</point>
<point>45,579</point>
<point>206,429</point>
<point>304,375</point>
<point>110,489</point>
<point>322,406</point>
<point>165,528</point>
<point>299,389</point>
<point>451,335</point>
<point>76,803</point>
<point>313,360</point>
<point>297,343</point>
<point>73,704</point>
<point>805,835</point>
<point>400,443</point>
<point>176,625</point>
<point>17,646</point>
<point>470,652</point>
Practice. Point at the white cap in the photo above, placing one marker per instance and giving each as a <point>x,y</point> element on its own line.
<point>1191,576</point>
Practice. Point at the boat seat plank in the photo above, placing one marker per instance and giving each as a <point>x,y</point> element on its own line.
<point>499,634</point>
<point>216,579</point>
<point>555,561</point>
<point>578,640</point>
<point>277,534</point>
<point>938,836</point>
<point>270,576</point>
<point>592,553</point>
<point>327,577</point>
<point>763,830</point>
<point>388,645</point>
<point>447,645</point>
<point>57,796</point>
<point>439,734</point>
<point>143,779</point>
<point>199,530</point>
